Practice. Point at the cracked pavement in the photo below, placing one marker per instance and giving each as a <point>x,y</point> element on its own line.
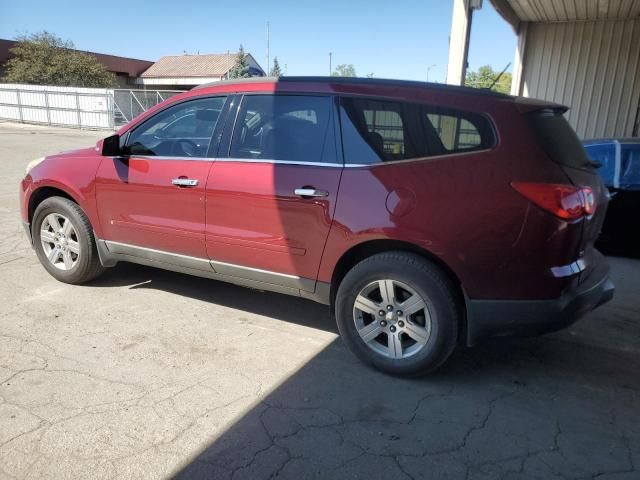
<point>152,374</point>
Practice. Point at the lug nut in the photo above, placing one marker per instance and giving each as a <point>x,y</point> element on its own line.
<point>399,313</point>
<point>389,307</point>
<point>381,313</point>
<point>383,323</point>
<point>401,323</point>
<point>392,328</point>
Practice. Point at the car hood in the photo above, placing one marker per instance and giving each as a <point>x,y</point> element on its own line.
<point>77,152</point>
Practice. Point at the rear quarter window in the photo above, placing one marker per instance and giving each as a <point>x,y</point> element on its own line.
<point>375,131</point>
<point>458,131</point>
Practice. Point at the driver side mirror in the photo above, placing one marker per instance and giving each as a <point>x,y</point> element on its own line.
<point>111,146</point>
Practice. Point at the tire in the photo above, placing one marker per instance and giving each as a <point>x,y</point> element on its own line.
<point>76,260</point>
<point>424,338</point>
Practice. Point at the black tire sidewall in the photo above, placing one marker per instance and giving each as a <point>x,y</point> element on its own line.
<point>430,283</point>
<point>65,207</point>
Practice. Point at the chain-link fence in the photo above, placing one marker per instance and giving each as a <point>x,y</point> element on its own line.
<point>128,104</point>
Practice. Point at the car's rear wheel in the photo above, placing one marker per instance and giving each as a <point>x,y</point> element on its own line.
<point>398,312</point>
<point>64,242</point>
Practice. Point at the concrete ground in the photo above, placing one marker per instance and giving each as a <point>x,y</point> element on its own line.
<point>152,374</point>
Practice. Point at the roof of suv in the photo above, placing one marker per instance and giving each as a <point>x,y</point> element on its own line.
<point>357,81</point>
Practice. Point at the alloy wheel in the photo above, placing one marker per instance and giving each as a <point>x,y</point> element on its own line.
<point>59,241</point>
<point>392,318</point>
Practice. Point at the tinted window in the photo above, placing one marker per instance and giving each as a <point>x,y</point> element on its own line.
<point>284,127</point>
<point>183,130</point>
<point>558,139</point>
<point>458,131</point>
<point>381,131</point>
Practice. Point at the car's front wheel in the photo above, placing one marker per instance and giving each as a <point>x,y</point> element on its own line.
<point>399,313</point>
<point>64,242</point>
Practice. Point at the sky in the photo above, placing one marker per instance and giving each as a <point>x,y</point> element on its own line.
<point>405,39</point>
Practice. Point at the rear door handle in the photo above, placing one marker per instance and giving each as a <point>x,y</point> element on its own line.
<point>308,192</point>
<point>184,182</point>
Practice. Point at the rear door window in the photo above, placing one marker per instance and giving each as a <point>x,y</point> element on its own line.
<point>285,127</point>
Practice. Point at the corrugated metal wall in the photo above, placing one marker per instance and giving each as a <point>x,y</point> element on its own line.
<point>593,67</point>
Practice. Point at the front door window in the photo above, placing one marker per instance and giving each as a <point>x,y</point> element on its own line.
<point>183,130</point>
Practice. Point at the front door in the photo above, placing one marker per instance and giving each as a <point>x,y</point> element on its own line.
<point>154,196</point>
<point>270,202</point>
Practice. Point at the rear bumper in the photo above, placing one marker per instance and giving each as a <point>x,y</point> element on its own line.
<point>492,318</point>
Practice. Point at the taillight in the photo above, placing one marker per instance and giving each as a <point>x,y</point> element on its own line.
<point>589,200</point>
<point>564,201</point>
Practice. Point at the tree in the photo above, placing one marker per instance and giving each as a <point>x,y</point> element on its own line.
<point>484,78</point>
<point>344,70</point>
<point>275,71</point>
<point>241,68</point>
<point>45,59</point>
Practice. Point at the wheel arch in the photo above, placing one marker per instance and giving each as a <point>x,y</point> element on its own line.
<point>41,193</point>
<point>363,250</point>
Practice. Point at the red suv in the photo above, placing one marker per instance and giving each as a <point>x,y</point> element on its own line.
<point>426,215</point>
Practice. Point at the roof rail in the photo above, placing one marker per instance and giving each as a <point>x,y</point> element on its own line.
<point>356,81</point>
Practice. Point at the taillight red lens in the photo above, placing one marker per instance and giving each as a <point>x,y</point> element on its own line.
<point>564,201</point>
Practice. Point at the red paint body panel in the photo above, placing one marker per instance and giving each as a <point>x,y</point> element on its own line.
<point>72,172</point>
<point>254,219</point>
<point>140,206</point>
<point>471,222</point>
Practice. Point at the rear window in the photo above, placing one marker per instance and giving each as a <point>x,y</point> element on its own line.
<point>558,140</point>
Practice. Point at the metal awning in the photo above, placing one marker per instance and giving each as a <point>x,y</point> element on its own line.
<point>549,11</point>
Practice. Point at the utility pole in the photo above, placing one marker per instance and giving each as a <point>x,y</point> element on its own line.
<point>268,64</point>
<point>330,53</point>
<point>459,39</point>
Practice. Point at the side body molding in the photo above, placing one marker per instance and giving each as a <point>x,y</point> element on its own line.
<point>111,253</point>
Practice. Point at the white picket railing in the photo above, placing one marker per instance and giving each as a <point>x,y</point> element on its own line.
<point>74,106</point>
<point>61,106</point>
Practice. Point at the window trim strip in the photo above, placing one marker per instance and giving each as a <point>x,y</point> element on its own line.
<point>311,164</point>
<point>279,162</point>
<point>170,158</point>
<point>417,159</point>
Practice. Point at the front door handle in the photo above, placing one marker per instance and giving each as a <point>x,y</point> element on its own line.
<point>308,192</point>
<point>184,182</point>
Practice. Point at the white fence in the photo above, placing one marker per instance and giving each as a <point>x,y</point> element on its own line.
<point>76,107</point>
<point>62,106</point>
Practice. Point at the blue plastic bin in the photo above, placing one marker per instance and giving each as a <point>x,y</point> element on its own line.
<point>620,159</point>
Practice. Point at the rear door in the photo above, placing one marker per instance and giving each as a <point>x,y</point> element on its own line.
<point>270,201</point>
<point>154,196</point>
